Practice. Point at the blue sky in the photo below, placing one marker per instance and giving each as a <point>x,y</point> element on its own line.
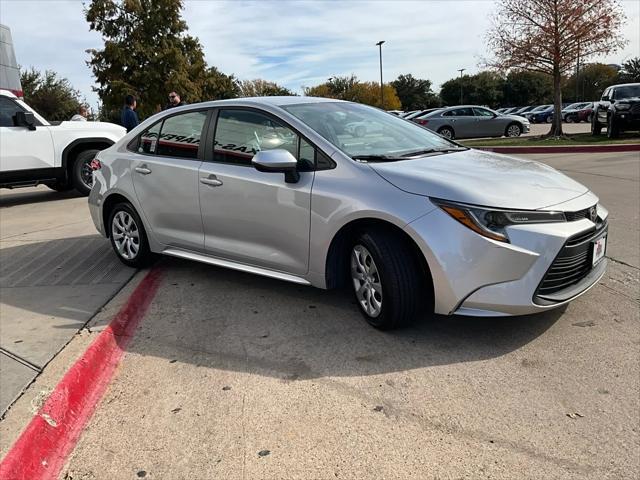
<point>295,43</point>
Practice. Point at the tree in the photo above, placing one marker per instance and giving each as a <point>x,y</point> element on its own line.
<point>549,36</point>
<point>48,94</point>
<point>147,52</point>
<point>262,88</point>
<point>593,78</point>
<point>484,88</point>
<point>630,71</point>
<point>353,90</point>
<point>415,93</point>
<point>523,88</point>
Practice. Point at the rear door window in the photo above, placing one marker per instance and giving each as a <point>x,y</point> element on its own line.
<point>180,135</point>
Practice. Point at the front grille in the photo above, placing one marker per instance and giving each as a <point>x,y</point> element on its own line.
<point>635,108</point>
<point>572,264</point>
<point>579,215</point>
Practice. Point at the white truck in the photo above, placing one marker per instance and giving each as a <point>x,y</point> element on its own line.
<point>34,152</point>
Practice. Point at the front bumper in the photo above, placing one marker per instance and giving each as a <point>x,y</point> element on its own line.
<point>473,275</point>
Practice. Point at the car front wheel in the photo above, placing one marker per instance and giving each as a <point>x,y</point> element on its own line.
<point>513,130</point>
<point>386,280</point>
<point>128,237</point>
<point>82,173</point>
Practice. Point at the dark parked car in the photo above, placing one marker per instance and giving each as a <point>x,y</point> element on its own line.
<point>585,114</point>
<point>523,110</point>
<point>543,115</point>
<point>570,112</point>
<point>618,110</point>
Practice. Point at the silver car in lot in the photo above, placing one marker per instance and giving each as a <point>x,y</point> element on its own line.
<point>410,221</point>
<point>472,121</point>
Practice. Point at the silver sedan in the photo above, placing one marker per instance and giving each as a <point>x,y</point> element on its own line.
<point>472,121</point>
<point>407,219</point>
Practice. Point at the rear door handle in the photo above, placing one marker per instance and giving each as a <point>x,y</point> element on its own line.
<point>143,169</point>
<point>211,180</point>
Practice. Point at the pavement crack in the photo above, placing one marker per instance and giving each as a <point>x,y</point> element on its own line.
<point>615,260</point>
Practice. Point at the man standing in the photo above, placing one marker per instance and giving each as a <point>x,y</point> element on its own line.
<point>129,118</point>
<point>81,116</point>
<point>174,101</point>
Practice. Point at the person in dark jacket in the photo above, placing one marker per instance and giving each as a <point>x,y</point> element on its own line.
<point>129,117</point>
<point>174,101</point>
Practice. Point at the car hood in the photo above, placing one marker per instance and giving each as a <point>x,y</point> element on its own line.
<point>482,178</point>
<point>513,116</point>
<point>90,127</point>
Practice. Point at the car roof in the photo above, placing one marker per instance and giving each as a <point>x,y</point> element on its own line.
<point>278,101</point>
<point>626,85</point>
<point>7,93</point>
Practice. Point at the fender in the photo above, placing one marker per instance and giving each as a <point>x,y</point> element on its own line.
<point>67,150</point>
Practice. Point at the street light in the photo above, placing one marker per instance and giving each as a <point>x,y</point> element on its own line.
<point>461,70</point>
<point>379,44</point>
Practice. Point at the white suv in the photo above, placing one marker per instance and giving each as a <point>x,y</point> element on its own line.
<point>33,151</point>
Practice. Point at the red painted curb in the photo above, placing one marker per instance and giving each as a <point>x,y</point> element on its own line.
<point>42,449</point>
<point>623,147</point>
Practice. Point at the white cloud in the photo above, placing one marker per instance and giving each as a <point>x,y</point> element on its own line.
<point>294,43</point>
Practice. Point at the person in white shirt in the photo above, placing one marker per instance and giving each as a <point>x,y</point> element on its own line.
<point>81,116</point>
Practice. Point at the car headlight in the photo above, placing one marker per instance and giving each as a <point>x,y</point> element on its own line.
<point>623,106</point>
<point>491,222</point>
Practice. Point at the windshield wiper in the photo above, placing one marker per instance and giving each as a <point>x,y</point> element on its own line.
<point>434,150</point>
<point>377,158</point>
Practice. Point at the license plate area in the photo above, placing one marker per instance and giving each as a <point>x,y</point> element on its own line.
<point>599,247</point>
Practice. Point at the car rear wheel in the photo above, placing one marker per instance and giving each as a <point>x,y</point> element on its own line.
<point>128,237</point>
<point>549,119</point>
<point>568,119</point>
<point>82,173</point>
<point>513,130</point>
<point>386,280</point>
<point>446,132</point>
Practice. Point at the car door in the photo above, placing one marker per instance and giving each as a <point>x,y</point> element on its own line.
<point>463,122</point>
<point>254,217</point>
<point>23,149</point>
<point>165,168</point>
<point>488,124</point>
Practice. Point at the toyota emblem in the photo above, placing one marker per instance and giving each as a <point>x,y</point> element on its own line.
<point>593,214</point>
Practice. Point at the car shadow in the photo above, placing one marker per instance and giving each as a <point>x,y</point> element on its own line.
<point>218,318</point>
<point>224,319</point>
<point>35,195</point>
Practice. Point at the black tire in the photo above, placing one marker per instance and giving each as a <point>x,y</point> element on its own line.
<point>549,119</point>
<point>447,132</point>
<point>400,278</point>
<point>144,256</point>
<point>596,128</point>
<point>613,129</point>
<point>589,118</point>
<point>568,119</point>
<point>514,129</point>
<point>81,171</point>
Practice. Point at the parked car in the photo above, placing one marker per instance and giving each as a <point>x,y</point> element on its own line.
<point>570,112</point>
<point>34,152</point>
<point>469,121</point>
<point>618,110</point>
<point>523,110</point>
<point>421,119</point>
<point>501,110</point>
<point>528,115</point>
<point>418,113</point>
<point>544,115</point>
<point>510,110</point>
<point>584,114</point>
<point>395,112</point>
<point>413,223</point>
<point>410,112</point>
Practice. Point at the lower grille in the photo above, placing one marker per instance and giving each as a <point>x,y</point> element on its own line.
<point>579,215</point>
<point>573,263</point>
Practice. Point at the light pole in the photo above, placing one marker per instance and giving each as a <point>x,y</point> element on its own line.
<point>461,70</point>
<point>379,44</point>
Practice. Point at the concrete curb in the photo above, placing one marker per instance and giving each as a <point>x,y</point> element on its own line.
<point>622,147</point>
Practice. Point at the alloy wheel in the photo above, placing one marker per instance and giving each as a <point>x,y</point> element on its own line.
<point>513,131</point>
<point>366,281</point>
<point>126,235</point>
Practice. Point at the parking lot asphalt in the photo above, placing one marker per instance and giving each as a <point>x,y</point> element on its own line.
<point>237,376</point>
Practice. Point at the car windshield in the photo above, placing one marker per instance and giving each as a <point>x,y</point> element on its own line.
<point>630,91</point>
<point>368,133</point>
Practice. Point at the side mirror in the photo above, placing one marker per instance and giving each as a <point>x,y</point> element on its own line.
<point>26,119</point>
<point>605,98</point>
<point>277,161</point>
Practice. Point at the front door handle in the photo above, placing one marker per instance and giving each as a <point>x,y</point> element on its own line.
<point>143,169</point>
<point>211,180</point>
